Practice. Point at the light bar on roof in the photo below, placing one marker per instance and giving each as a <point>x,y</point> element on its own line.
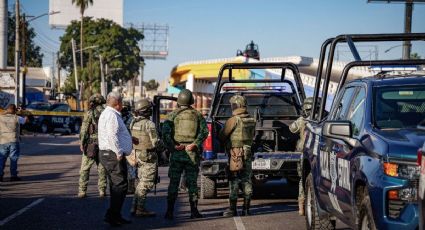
<point>245,88</point>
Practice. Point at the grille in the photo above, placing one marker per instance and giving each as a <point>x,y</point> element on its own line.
<point>394,208</point>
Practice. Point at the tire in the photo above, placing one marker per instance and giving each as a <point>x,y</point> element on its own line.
<point>208,188</point>
<point>365,214</point>
<point>312,219</point>
<point>44,128</point>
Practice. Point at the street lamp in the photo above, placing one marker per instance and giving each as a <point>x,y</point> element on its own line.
<point>392,47</point>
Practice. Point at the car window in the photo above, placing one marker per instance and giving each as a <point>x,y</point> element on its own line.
<point>356,111</point>
<point>61,108</point>
<point>340,111</point>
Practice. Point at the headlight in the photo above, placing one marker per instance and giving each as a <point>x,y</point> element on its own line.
<point>402,170</point>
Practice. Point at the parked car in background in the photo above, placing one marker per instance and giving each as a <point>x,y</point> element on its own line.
<point>52,123</point>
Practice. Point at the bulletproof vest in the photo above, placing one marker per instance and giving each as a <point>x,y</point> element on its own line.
<point>9,128</point>
<point>140,131</point>
<point>244,132</point>
<point>186,126</point>
<point>94,123</point>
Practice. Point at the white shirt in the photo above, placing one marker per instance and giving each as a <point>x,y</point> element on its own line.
<point>112,133</point>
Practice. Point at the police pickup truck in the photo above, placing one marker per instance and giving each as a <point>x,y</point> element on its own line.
<point>359,161</point>
<point>274,100</point>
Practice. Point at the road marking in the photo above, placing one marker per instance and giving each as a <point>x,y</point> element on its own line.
<point>238,223</point>
<point>14,215</point>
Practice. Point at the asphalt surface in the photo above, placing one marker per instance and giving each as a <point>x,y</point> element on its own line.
<point>46,197</point>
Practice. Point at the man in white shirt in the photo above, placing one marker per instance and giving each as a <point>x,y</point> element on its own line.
<point>9,141</point>
<point>115,143</point>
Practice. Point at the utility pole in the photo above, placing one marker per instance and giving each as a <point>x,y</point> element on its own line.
<point>17,20</point>
<point>58,74</point>
<point>74,58</point>
<point>407,45</point>
<point>22,77</point>
<point>102,77</point>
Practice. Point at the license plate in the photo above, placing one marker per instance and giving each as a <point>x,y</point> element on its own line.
<point>261,164</point>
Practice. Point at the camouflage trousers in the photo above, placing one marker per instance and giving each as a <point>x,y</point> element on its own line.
<point>146,173</point>
<point>300,185</point>
<point>241,180</point>
<point>181,162</point>
<point>86,164</point>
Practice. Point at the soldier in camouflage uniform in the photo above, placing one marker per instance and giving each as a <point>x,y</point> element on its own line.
<point>147,159</point>
<point>127,118</point>
<point>238,134</point>
<point>298,127</point>
<point>88,135</point>
<point>184,132</point>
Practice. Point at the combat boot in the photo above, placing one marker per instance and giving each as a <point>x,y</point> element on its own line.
<point>142,212</point>
<point>231,211</point>
<point>170,209</point>
<point>194,212</point>
<point>246,206</point>
<point>301,206</point>
<point>81,194</point>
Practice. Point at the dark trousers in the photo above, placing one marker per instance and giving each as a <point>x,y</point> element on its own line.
<point>116,172</point>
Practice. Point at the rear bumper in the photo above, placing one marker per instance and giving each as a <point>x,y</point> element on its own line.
<point>279,164</point>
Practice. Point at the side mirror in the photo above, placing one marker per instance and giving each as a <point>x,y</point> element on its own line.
<point>339,130</point>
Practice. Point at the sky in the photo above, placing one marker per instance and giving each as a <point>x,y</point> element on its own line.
<point>210,29</point>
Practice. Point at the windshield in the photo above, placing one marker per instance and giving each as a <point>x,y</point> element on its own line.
<point>268,104</point>
<point>399,107</point>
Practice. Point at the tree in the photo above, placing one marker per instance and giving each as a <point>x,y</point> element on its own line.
<point>151,85</point>
<point>33,53</point>
<point>83,5</point>
<point>415,56</point>
<point>118,47</point>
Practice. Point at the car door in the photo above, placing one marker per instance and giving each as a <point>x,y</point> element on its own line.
<point>162,105</point>
<point>61,121</point>
<point>340,154</point>
<point>330,150</point>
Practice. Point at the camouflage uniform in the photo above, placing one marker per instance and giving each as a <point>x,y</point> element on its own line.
<point>86,138</point>
<point>184,127</point>
<point>298,127</point>
<point>145,130</point>
<point>238,134</point>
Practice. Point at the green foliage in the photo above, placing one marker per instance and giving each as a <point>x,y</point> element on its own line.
<point>82,4</point>
<point>33,52</point>
<point>415,56</point>
<point>151,85</point>
<point>117,45</point>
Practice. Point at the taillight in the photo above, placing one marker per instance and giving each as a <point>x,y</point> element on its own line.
<point>419,157</point>
<point>208,141</point>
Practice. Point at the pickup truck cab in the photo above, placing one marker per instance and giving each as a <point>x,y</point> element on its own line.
<point>360,161</point>
<point>275,103</point>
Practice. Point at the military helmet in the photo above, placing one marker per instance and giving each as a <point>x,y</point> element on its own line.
<point>185,97</point>
<point>97,99</point>
<point>238,100</point>
<point>142,105</point>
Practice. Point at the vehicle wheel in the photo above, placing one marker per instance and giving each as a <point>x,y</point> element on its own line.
<point>208,188</point>
<point>313,221</point>
<point>44,127</point>
<point>365,214</point>
<point>76,127</point>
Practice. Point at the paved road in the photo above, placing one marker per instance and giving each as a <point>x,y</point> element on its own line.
<point>46,198</point>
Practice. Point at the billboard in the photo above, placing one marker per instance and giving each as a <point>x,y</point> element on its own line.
<point>109,9</point>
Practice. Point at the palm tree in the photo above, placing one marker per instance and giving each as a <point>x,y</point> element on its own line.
<point>83,5</point>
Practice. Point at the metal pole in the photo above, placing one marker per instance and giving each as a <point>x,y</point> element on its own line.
<point>17,20</point>
<point>142,67</point>
<point>407,29</point>
<point>102,78</point>
<point>3,34</point>
<point>75,73</point>
<point>58,74</point>
<point>22,76</point>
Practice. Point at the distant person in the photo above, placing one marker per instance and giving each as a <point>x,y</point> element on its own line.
<point>9,141</point>
<point>115,143</point>
<point>183,133</point>
<point>89,146</point>
<point>238,134</point>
